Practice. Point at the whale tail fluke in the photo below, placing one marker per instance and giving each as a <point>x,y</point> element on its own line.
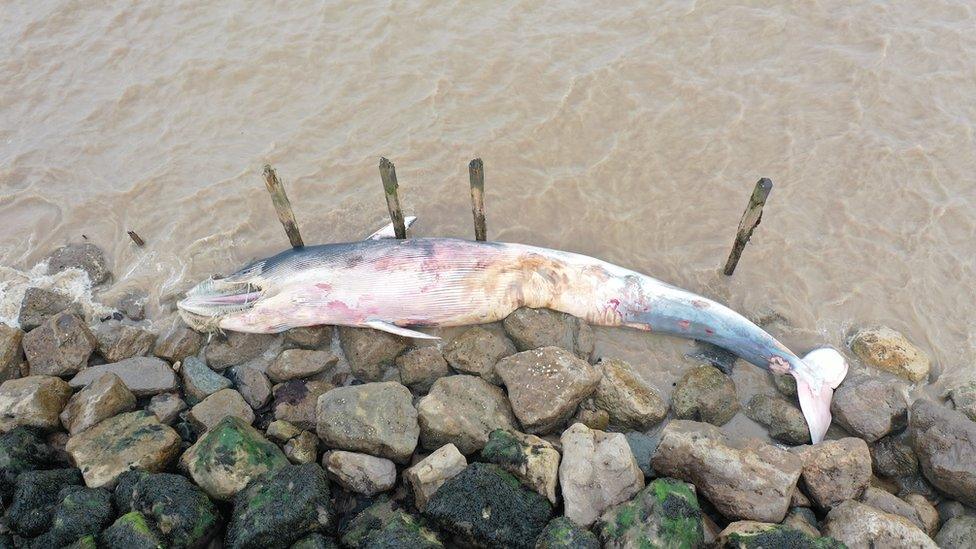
<point>815,384</point>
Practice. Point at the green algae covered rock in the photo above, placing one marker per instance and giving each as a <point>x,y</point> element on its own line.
<point>81,512</point>
<point>487,506</point>
<point>748,534</point>
<point>382,525</point>
<point>178,510</point>
<point>280,508</point>
<point>87,542</point>
<point>230,455</point>
<point>22,449</point>
<point>131,531</point>
<point>531,459</point>
<point>36,498</point>
<point>315,541</point>
<point>664,514</point>
<point>562,533</point>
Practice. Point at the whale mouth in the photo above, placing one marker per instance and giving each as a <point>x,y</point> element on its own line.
<point>206,303</point>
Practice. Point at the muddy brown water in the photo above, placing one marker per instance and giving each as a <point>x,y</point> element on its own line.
<point>627,131</point>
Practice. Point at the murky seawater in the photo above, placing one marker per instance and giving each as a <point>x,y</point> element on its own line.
<point>629,132</point>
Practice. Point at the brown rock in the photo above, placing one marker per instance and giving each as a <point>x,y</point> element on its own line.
<point>116,341</point>
<point>360,473</point>
<point>945,442</point>
<point>252,384</point>
<point>300,363</point>
<point>12,363</point>
<point>177,342</point>
<point>32,401</point>
<point>61,346</point>
<point>143,375</point>
<point>870,408</point>
<point>166,407</point>
<point>629,401</point>
<point>890,503</point>
<point>237,348</point>
<point>784,421</point>
<point>309,337</point>
<point>295,401</point>
<point>889,350</point>
<point>462,410</point>
<point>893,456</point>
<point>476,351</point>
<point>545,386</point>
<point>302,448</point>
<point>132,305</point>
<point>87,257</point>
<point>835,471</point>
<point>370,352</point>
<point>428,474</point>
<point>858,525</point>
<point>927,514</point>
<point>374,418</point>
<point>282,431</point>
<point>39,304</point>
<point>535,328</point>
<point>101,399</point>
<point>223,403</point>
<point>421,367</point>
<point>705,394</point>
<point>589,415</point>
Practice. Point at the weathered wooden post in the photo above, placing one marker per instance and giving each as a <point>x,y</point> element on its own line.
<point>388,174</point>
<point>750,219</point>
<point>136,238</point>
<point>476,173</point>
<point>282,206</point>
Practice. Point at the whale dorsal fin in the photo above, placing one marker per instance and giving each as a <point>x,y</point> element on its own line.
<point>384,326</point>
<point>386,231</point>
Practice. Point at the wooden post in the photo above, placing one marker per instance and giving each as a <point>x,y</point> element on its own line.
<point>388,174</point>
<point>136,238</point>
<point>476,173</point>
<point>750,219</point>
<point>282,206</point>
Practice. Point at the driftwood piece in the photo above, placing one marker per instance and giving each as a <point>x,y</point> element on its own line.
<point>388,174</point>
<point>282,206</point>
<point>136,238</point>
<point>750,220</point>
<point>476,173</point>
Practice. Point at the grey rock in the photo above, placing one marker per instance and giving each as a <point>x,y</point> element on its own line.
<point>252,384</point>
<point>360,473</point>
<point>785,384</point>
<point>462,410</point>
<point>535,328</point>
<point>370,352</point>
<point>132,305</point>
<point>383,524</point>
<point>199,381</point>
<point>963,397</point>
<point>87,257</point>
<point>223,403</point>
<point>40,304</point>
<point>143,375</point>
<point>957,533</point>
<point>12,362</point>
<point>945,442</point>
<point>166,407</point>
<point>891,503</point>
<point>421,367</point>
<point>300,363</point>
<point>375,418</point>
<point>858,525</point>
<point>893,456</point>
<point>643,447</point>
<point>705,394</point>
<point>116,341</point>
<point>629,401</point>
<point>835,471</point>
<point>869,407</point>
<point>476,351</point>
<point>59,347</point>
<point>33,401</point>
<point>237,348</point>
<point>177,341</point>
<point>303,448</point>
<point>295,401</point>
<point>783,420</point>
<point>101,399</point>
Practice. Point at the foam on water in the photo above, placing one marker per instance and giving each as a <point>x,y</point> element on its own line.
<point>72,282</point>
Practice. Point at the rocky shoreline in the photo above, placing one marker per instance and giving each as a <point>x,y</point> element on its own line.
<point>508,435</point>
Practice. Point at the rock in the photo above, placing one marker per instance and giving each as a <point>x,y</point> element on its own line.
<point>177,341</point>
<point>963,397</point>
<point>376,418</point>
<point>893,457</point>
<point>370,352</point>
<point>252,384</point>
<point>858,525</point>
<point>835,470</point>
<point>785,384</point>
<point>59,347</point>
<point>421,367</point>
<point>317,541</point>
<point>589,415</point>
<point>643,447</point>
<point>39,304</point>
<point>143,375</point>
<point>295,401</point>
<point>32,401</point>
<point>81,512</point>
<point>928,516</point>
<point>132,305</point>
<point>664,514</point>
<point>87,257</point>
<point>783,420</point>
<point>129,531</point>
<point>532,460</point>
<point>462,410</point>
<point>957,533</point>
<point>134,440</point>
<point>629,401</point>
<point>705,394</point>
<point>562,533</point>
<point>890,503</point>
<point>545,386</point>
<point>116,341</point>
<point>282,431</point>
<point>888,350</point>
<point>477,350</point>
<point>360,473</point>
<point>35,498</point>
<point>171,505</point>
<point>228,456</point>
<point>486,506</point>
<point>309,337</point>
<point>750,480</point>
<point>427,475</point>
<point>101,399</point>
<point>166,407</point>
<point>199,381</point>
<point>280,508</point>
<point>300,363</point>
<point>535,328</point>
<point>223,403</point>
<point>870,408</point>
<point>802,519</point>
<point>12,363</point>
<point>303,448</point>
<point>748,534</point>
<point>945,442</point>
<point>237,348</point>
<point>22,449</point>
<point>597,472</point>
<point>949,509</point>
<point>382,525</point>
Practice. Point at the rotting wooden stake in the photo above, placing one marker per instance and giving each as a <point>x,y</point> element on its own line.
<point>282,206</point>
<point>750,219</point>
<point>388,174</point>
<point>136,238</point>
<point>476,173</point>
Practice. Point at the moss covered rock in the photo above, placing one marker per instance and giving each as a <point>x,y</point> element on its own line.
<point>487,506</point>
<point>35,499</point>
<point>82,512</point>
<point>562,533</point>
<point>131,531</point>
<point>531,459</point>
<point>280,508</point>
<point>230,455</point>
<point>383,525</point>
<point>664,514</point>
<point>87,542</point>
<point>22,449</point>
<point>705,394</point>
<point>315,541</point>
<point>178,510</point>
<point>754,535</point>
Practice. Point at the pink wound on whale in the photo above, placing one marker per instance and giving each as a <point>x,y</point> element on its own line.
<point>685,324</point>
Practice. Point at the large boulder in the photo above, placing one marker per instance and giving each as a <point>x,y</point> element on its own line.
<point>889,350</point>
<point>59,347</point>
<point>143,375</point>
<point>858,525</point>
<point>199,381</point>
<point>532,460</point>
<point>32,401</point>
<point>382,524</point>
<point>535,328</point>
<point>12,364</point>
<point>130,441</point>
<point>546,385</point>
<point>945,442</point>
<point>428,474</point>
<point>477,350</point>
<point>629,401</point>
<point>375,418</point>
<point>664,514</point>
<point>101,399</point>
<point>747,480</point>
<point>462,410</point>
<point>597,472</point>
<point>835,471</point>
<point>486,506</point>
<point>783,420</point>
<point>116,341</point>
<point>228,456</point>
<point>281,508</point>
<point>85,256</point>
<point>370,352</point>
<point>360,473</point>
<point>705,394</point>
<point>296,401</point>
<point>182,514</point>
<point>870,407</point>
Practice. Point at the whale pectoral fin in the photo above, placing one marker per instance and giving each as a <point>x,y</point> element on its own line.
<point>722,359</point>
<point>387,230</point>
<point>397,330</point>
